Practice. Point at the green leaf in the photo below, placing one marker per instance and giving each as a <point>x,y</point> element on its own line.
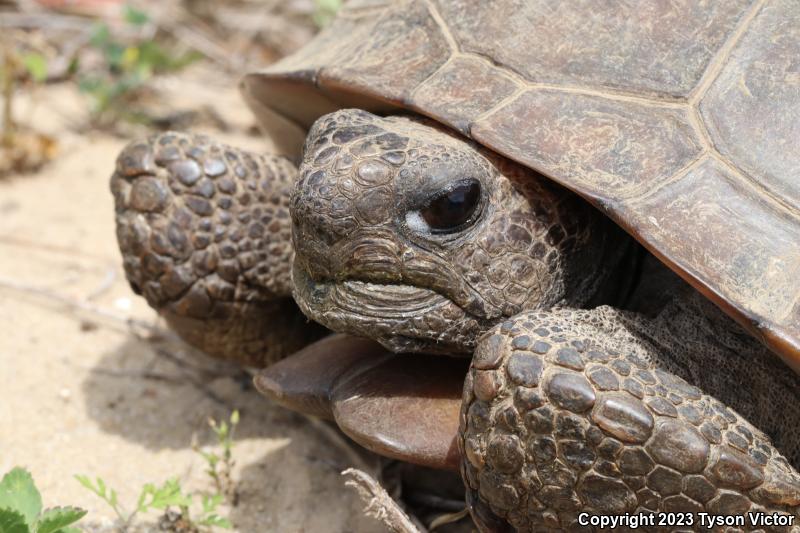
<point>86,482</point>
<point>325,10</point>
<point>36,65</point>
<point>135,17</point>
<point>168,494</point>
<point>101,35</point>
<point>69,530</point>
<point>18,492</point>
<point>215,520</point>
<point>100,489</point>
<point>55,518</point>
<point>210,503</point>
<point>12,521</point>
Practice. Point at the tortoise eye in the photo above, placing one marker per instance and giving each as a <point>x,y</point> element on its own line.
<point>448,212</point>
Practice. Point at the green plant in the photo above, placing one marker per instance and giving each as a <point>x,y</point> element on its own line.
<point>325,10</point>
<point>163,498</point>
<point>21,508</point>
<point>14,68</point>
<point>220,466</point>
<point>170,496</point>
<point>126,68</point>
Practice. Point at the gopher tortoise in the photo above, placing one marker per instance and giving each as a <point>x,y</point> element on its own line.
<point>515,182</point>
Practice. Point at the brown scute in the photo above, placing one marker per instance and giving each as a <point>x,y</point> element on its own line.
<point>619,104</point>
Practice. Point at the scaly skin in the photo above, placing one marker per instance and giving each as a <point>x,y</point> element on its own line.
<point>568,406</point>
<point>573,411</point>
<point>204,232</point>
<point>363,266</point>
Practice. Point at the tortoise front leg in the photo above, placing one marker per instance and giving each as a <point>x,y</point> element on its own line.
<point>569,412</point>
<point>205,235</point>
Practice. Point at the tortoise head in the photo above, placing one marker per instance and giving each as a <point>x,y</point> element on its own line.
<point>423,240</point>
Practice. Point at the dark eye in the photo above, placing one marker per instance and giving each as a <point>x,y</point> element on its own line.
<point>448,212</point>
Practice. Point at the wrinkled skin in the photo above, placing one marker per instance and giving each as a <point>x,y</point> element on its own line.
<point>567,407</point>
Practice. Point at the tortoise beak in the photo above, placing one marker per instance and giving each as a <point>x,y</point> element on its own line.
<point>403,406</point>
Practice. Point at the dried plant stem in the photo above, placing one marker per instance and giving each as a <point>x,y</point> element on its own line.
<point>379,504</point>
<point>9,71</point>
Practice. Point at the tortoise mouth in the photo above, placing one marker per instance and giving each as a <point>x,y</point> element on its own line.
<point>402,317</point>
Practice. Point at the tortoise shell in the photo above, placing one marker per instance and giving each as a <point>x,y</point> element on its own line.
<point>680,120</point>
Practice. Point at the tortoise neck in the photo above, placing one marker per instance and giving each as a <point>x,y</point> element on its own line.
<point>620,258</point>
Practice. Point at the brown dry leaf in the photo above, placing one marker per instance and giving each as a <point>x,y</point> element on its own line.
<point>26,152</point>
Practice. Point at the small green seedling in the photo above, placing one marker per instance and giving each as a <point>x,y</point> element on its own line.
<point>324,11</point>
<point>126,69</point>
<point>14,68</point>
<point>170,496</point>
<point>163,498</point>
<point>21,508</point>
<point>220,466</point>
<point>22,149</point>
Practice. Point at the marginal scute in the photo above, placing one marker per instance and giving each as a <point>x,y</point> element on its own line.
<point>742,266</point>
<point>395,53</point>
<point>759,90</point>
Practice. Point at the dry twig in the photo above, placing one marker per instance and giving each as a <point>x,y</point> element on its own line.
<point>449,518</point>
<point>85,306</point>
<point>379,504</point>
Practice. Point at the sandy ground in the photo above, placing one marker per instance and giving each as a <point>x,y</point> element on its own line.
<point>84,392</point>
